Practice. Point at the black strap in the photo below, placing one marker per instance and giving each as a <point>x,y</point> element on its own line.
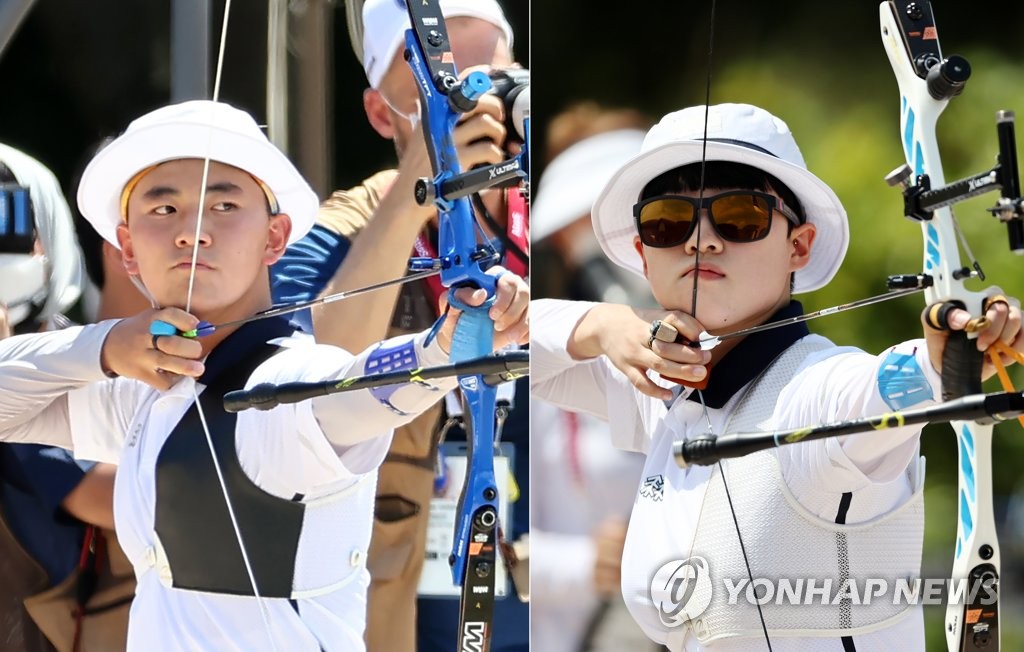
<point>192,518</point>
<point>844,560</point>
<point>844,507</point>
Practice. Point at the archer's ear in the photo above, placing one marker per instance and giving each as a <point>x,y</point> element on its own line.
<point>640,250</point>
<point>278,232</point>
<point>802,239</point>
<point>128,259</point>
<point>378,113</point>
<point>113,261</point>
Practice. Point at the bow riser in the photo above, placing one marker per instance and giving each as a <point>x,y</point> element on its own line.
<point>457,233</point>
<point>464,261</point>
<point>969,626</point>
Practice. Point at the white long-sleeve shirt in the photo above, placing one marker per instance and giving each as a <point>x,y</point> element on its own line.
<point>835,384</point>
<point>53,390</point>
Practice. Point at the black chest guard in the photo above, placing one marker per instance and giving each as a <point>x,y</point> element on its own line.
<point>192,517</point>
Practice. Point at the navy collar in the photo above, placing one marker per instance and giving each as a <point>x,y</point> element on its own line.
<point>241,344</point>
<point>750,357</point>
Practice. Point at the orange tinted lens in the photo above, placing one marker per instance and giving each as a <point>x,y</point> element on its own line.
<point>741,218</point>
<point>666,222</point>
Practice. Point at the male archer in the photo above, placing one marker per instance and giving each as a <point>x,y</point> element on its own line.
<point>299,479</point>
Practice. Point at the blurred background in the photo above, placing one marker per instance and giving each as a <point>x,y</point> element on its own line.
<point>75,72</point>
<point>821,67</point>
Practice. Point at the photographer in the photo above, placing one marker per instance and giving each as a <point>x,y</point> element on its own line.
<point>390,227</point>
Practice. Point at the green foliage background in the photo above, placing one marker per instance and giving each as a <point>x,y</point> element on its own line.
<point>821,67</point>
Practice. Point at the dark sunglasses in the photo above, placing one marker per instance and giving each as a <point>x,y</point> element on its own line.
<point>737,215</point>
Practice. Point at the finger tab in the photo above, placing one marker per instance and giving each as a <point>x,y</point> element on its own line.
<point>159,327</point>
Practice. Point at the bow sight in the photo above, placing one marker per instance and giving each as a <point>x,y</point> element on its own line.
<point>946,78</point>
<point>920,200</point>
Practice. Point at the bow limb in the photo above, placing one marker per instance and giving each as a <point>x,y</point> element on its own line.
<point>917,62</point>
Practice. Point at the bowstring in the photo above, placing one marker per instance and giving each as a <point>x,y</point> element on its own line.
<point>264,611</point>
<point>693,307</point>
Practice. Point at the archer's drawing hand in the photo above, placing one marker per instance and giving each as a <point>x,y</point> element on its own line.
<point>159,361</point>
<point>621,333</point>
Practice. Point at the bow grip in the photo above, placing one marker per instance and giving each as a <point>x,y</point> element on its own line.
<point>961,359</point>
<point>474,332</point>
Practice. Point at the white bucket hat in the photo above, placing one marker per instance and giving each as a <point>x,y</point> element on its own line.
<point>572,181</point>
<point>385,22</point>
<point>739,133</point>
<point>195,129</point>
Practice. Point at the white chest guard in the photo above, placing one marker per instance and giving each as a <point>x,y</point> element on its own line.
<point>784,540</point>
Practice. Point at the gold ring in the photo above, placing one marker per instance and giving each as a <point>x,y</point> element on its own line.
<point>662,332</point>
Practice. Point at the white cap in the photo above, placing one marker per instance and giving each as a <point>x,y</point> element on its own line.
<point>195,129</point>
<point>739,133</point>
<point>573,180</point>
<point>56,230</point>
<point>385,22</point>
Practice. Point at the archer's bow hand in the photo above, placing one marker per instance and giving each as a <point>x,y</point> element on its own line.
<point>130,349</point>
<point>622,334</point>
<point>510,311</point>
<point>1000,323</point>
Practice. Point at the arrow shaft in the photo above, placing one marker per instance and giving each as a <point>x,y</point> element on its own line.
<point>711,341</point>
<point>331,298</point>
<point>981,408</point>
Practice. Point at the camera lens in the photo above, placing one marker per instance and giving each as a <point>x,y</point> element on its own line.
<point>509,84</point>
